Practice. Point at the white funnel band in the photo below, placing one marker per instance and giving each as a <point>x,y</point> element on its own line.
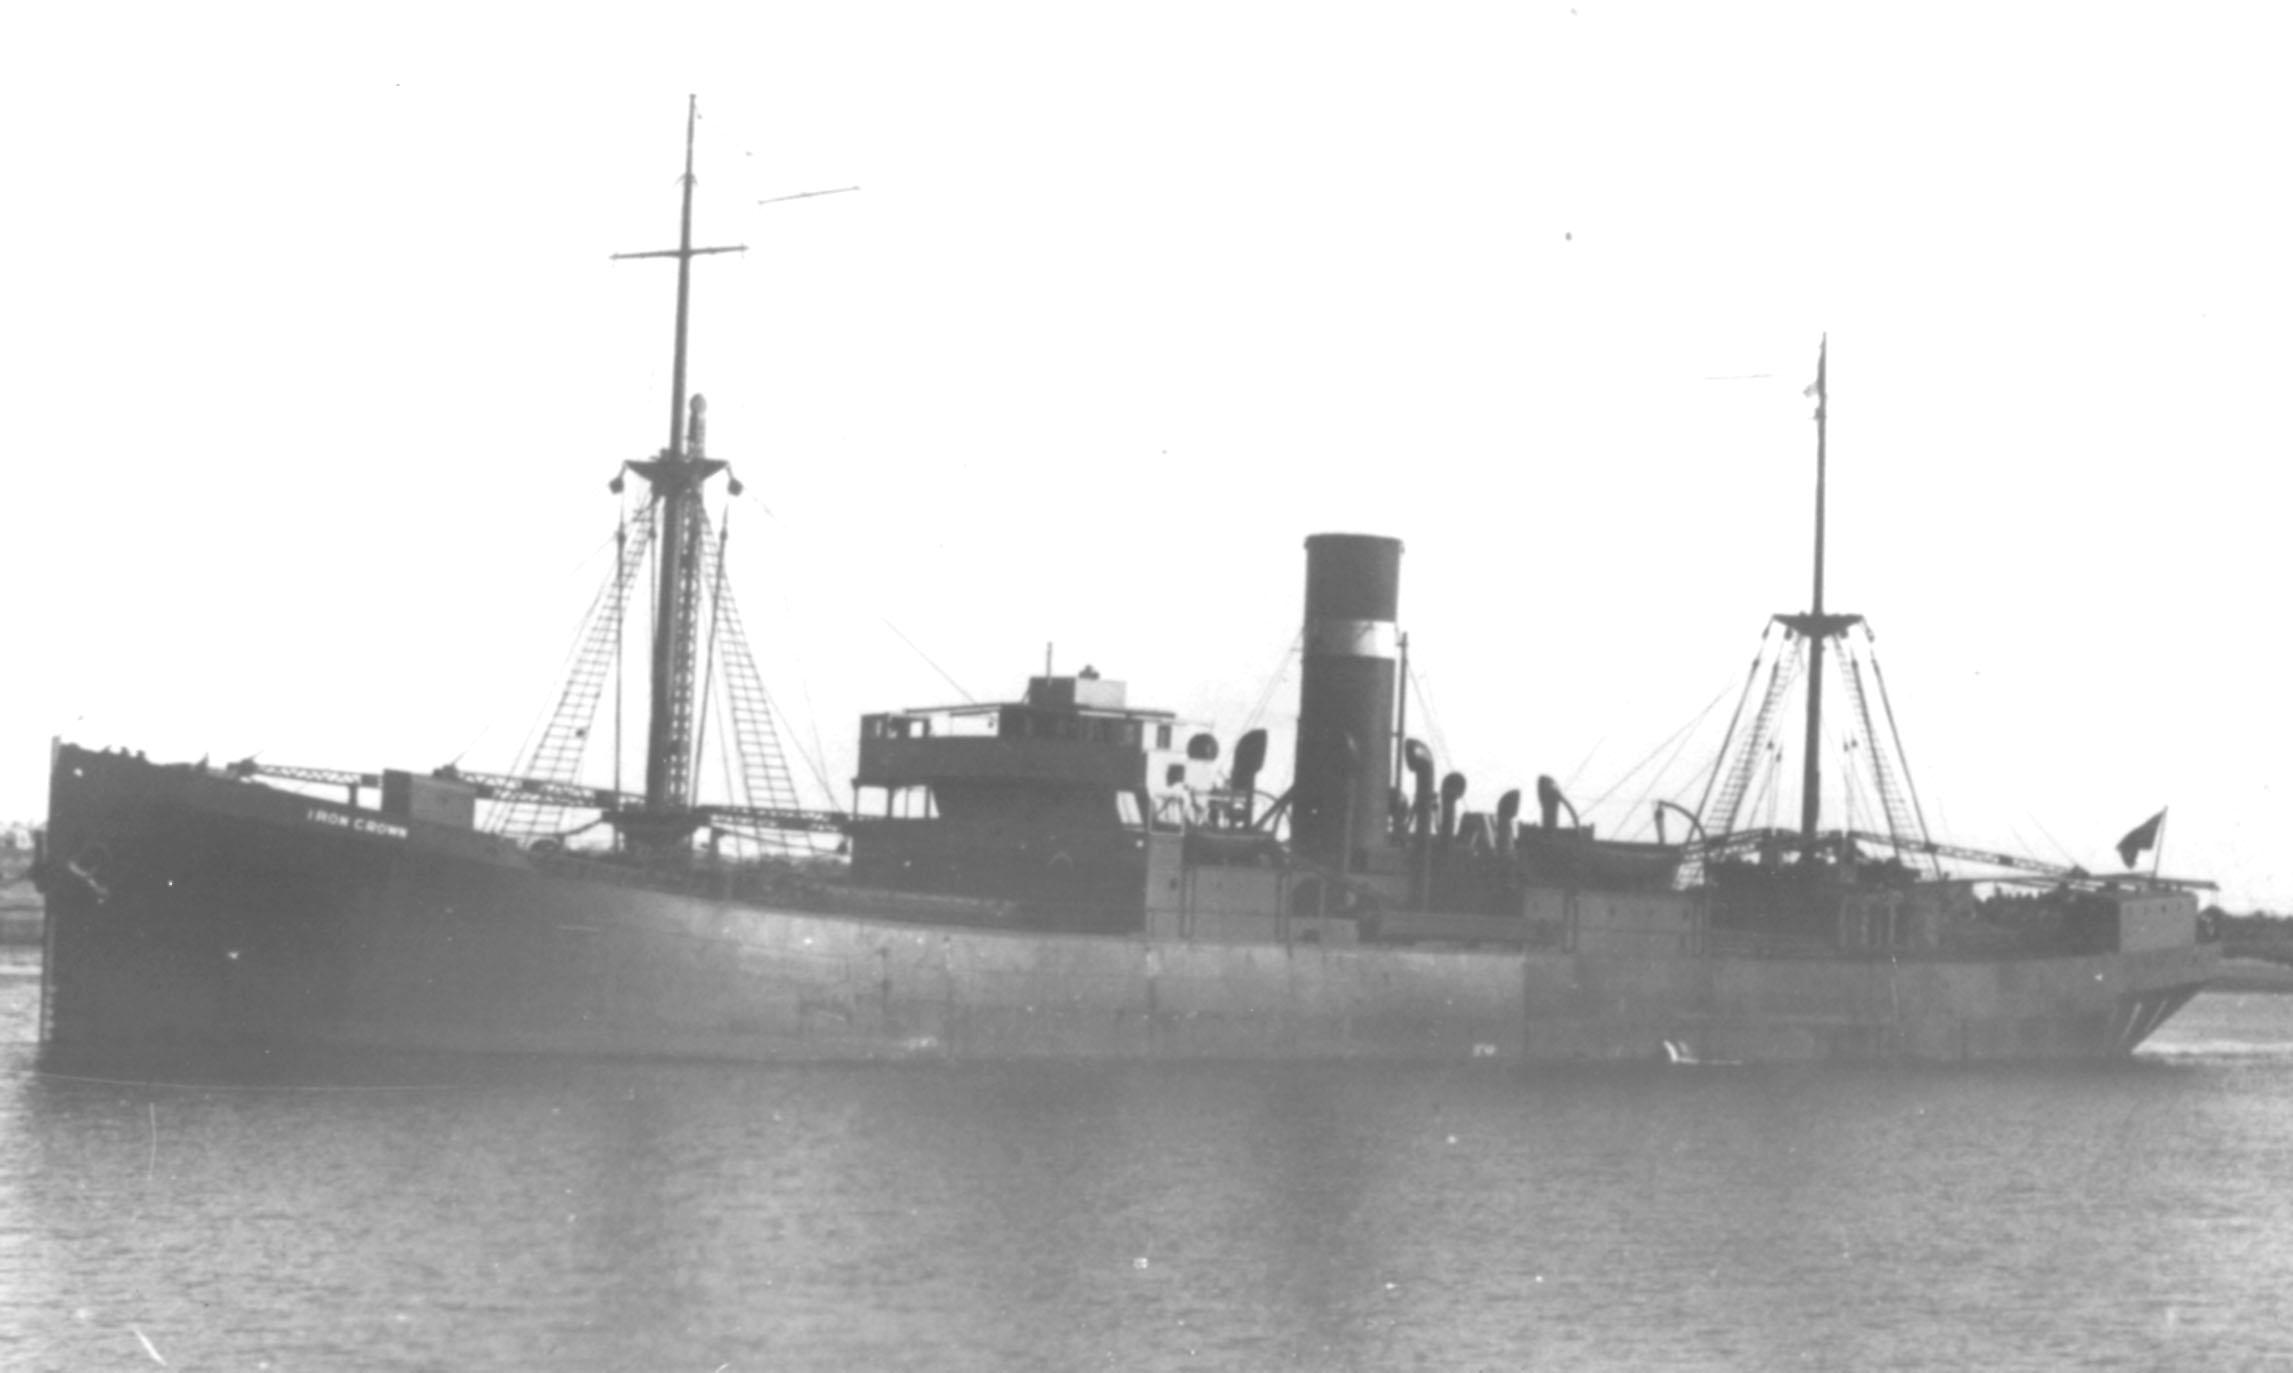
<point>1351,639</point>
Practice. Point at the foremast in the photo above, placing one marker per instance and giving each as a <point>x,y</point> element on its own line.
<point>677,475</point>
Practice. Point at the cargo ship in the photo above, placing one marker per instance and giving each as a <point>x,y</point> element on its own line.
<point>1063,875</point>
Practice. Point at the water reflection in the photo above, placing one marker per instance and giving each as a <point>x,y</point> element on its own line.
<point>455,1213</point>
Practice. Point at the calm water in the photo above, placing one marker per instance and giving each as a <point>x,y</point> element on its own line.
<point>598,1216</point>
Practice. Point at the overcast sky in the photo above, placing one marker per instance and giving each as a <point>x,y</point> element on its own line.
<point>316,370</point>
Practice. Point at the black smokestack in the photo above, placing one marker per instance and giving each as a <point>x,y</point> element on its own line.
<point>1345,696</point>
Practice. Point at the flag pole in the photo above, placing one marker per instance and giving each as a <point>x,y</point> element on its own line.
<point>2158,850</point>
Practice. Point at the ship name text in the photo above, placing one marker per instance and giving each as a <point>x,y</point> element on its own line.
<point>362,824</point>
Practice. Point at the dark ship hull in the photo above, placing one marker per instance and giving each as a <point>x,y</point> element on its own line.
<point>189,909</point>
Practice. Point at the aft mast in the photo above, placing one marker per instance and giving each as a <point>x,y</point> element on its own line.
<point>1805,645</point>
<point>677,476</point>
<point>1817,628</point>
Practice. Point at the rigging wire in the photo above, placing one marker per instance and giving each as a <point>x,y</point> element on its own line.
<point>969,699</point>
<point>1425,705</point>
<point>1577,773</point>
<point>815,759</point>
<point>564,666</point>
<point>1274,681</point>
<point>709,652</point>
<point>1677,740</point>
<point>1687,736</point>
<point>2021,844</point>
<point>1639,817</point>
<point>1751,675</point>
<point>1887,703</point>
<point>2069,860</point>
<point>1734,777</point>
<point>749,493</point>
<point>578,641</point>
<point>735,786</point>
<point>650,570</point>
<point>620,622</point>
<point>1857,786</point>
<point>557,744</point>
<point>1770,794</point>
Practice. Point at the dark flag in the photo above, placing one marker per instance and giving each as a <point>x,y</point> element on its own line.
<point>2140,837</point>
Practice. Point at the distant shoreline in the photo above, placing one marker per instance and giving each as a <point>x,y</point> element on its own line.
<point>22,924</point>
<point>2252,975</point>
<point>23,914</point>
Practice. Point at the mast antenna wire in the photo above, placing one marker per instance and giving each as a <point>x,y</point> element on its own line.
<point>806,195</point>
<point>968,698</point>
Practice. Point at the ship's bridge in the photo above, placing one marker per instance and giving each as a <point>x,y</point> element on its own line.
<point>1045,802</point>
<point>1072,748</point>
